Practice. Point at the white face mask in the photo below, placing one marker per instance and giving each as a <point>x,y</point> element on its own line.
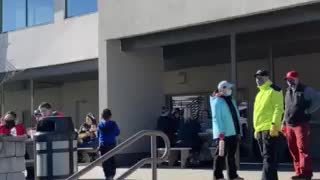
<point>228,92</point>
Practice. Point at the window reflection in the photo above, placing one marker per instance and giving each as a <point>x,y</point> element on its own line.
<point>80,7</point>
<point>40,12</point>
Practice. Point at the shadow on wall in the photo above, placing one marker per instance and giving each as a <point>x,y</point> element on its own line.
<point>4,44</point>
<point>3,61</point>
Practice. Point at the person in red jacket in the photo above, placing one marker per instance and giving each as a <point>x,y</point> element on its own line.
<point>9,126</point>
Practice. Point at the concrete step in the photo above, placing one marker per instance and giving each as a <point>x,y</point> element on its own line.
<point>185,174</point>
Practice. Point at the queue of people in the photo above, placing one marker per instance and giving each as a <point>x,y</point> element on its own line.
<point>272,114</point>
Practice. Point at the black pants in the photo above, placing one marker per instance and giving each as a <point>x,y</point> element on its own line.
<point>230,150</point>
<point>109,166</point>
<point>267,145</point>
<point>30,170</point>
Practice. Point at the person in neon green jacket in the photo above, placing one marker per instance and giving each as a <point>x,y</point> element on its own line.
<point>268,110</point>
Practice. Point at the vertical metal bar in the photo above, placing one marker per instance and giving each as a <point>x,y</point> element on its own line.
<point>233,54</point>
<point>154,157</point>
<point>1,15</point>
<point>234,78</point>
<point>271,62</point>
<point>31,96</point>
<point>66,12</point>
<point>27,11</point>
<point>2,99</point>
<point>50,161</point>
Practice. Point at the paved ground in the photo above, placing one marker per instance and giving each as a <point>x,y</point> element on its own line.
<point>185,174</point>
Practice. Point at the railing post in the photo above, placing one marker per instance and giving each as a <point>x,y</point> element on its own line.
<point>154,157</point>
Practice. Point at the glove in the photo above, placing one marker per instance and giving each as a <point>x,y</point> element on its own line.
<point>274,131</point>
<point>284,130</point>
<point>221,136</point>
<point>239,137</point>
<point>256,135</point>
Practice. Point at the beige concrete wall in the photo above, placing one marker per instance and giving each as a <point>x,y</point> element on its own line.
<point>205,79</point>
<point>62,98</point>
<point>148,16</point>
<point>306,65</point>
<point>86,91</point>
<point>131,86</point>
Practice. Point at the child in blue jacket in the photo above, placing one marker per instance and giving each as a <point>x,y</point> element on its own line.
<point>108,130</point>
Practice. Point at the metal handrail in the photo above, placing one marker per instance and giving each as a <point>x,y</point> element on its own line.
<point>154,160</point>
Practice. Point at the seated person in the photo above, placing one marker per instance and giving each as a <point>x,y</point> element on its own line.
<point>205,121</point>
<point>177,119</point>
<point>46,111</point>
<point>165,124</point>
<point>188,135</point>
<point>10,127</point>
<point>88,132</point>
<point>13,127</point>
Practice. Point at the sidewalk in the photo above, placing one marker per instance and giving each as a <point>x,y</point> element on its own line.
<point>185,174</point>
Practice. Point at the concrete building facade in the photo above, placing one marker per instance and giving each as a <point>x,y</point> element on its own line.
<point>134,56</point>
<point>144,52</point>
<point>58,61</point>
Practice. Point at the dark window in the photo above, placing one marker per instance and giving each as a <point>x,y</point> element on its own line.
<point>80,7</point>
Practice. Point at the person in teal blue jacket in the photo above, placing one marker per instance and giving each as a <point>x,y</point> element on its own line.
<point>225,127</point>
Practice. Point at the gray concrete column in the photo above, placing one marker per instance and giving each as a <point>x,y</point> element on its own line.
<point>234,78</point>
<point>271,62</point>
<point>233,52</point>
<point>131,85</point>
<point>2,99</point>
<point>31,96</point>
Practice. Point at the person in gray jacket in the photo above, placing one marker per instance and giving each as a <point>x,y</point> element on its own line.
<point>300,102</point>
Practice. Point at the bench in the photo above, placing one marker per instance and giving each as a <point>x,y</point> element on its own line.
<point>174,154</point>
<point>85,153</point>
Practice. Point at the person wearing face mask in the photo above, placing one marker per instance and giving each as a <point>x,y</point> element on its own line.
<point>10,127</point>
<point>300,102</point>
<point>225,127</point>
<point>267,115</point>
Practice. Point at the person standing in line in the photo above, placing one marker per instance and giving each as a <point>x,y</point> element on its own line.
<point>268,110</point>
<point>108,130</point>
<point>226,128</point>
<point>300,102</point>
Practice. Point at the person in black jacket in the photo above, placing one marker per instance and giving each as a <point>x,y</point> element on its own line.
<point>188,135</point>
<point>166,125</point>
<point>300,102</point>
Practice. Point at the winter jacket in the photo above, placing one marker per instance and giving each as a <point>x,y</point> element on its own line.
<point>268,107</point>
<point>222,121</point>
<point>107,132</point>
<point>299,104</point>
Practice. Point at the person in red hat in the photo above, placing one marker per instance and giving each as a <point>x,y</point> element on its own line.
<point>300,102</point>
